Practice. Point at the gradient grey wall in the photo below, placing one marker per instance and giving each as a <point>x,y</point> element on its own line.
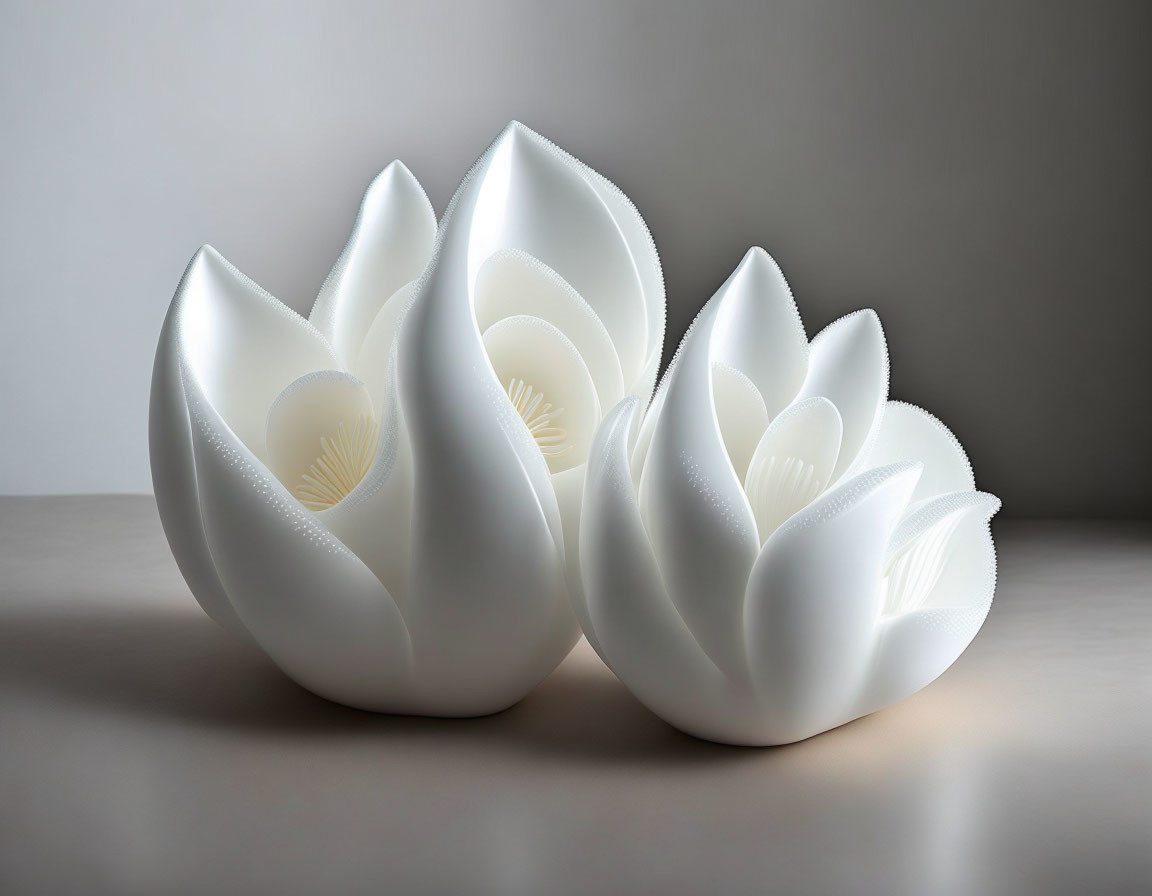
<point>980,173</point>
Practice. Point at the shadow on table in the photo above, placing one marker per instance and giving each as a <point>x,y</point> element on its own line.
<point>179,665</point>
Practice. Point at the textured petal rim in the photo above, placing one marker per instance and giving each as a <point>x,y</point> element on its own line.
<point>911,433</point>
<point>237,346</point>
<point>174,478</point>
<point>642,248</point>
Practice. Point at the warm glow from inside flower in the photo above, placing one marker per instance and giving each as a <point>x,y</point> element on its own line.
<point>344,459</point>
<point>541,419</point>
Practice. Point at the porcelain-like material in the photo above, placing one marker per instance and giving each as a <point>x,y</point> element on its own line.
<point>777,549</point>
<point>385,496</point>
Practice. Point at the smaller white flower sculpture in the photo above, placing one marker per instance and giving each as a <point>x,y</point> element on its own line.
<point>385,497</point>
<point>777,549</point>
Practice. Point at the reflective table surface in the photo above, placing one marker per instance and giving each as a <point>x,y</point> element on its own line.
<point>144,750</point>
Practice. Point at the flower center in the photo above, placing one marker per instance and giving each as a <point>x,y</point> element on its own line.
<point>540,418</point>
<point>344,460</point>
<point>778,487</point>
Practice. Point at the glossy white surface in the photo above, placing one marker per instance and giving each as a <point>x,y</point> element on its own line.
<point>358,492</point>
<point>775,548</point>
<point>146,751</point>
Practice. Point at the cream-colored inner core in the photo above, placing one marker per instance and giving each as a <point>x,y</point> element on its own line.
<point>540,418</point>
<point>344,459</point>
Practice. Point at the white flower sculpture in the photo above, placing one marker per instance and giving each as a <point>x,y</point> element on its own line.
<point>777,549</point>
<point>385,497</point>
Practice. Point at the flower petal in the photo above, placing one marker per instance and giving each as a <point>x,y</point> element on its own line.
<point>512,283</point>
<point>915,647</point>
<point>922,543</point>
<point>531,351</point>
<point>389,246</point>
<point>308,601</point>
<point>626,612</point>
<point>760,335</point>
<point>569,487</point>
<point>174,479</point>
<point>526,179</point>
<point>740,414</point>
<point>374,363</point>
<point>693,504</point>
<point>759,331</point>
<point>849,367</point>
<point>793,462</point>
<point>911,433</point>
<point>644,432</point>
<point>643,250</point>
<point>815,597</point>
<point>494,621</point>
<point>241,344</point>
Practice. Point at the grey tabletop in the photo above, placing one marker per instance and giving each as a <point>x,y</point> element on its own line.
<point>143,750</point>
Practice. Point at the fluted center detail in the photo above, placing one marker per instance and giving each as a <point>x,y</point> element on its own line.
<point>540,417</point>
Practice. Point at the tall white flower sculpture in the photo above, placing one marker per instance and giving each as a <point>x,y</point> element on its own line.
<point>385,497</point>
<point>778,549</point>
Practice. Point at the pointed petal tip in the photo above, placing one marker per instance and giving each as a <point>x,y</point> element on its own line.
<point>395,168</point>
<point>854,323</point>
<point>759,270</point>
<point>758,255</point>
<point>206,254</point>
<point>207,261</point>
<point>394,174</point>
<point>516,126</point>
<point>518,135</point>
<point>514,130</point>
<point>865,318</point>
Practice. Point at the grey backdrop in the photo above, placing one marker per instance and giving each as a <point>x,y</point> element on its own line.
<point>978,172</point>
